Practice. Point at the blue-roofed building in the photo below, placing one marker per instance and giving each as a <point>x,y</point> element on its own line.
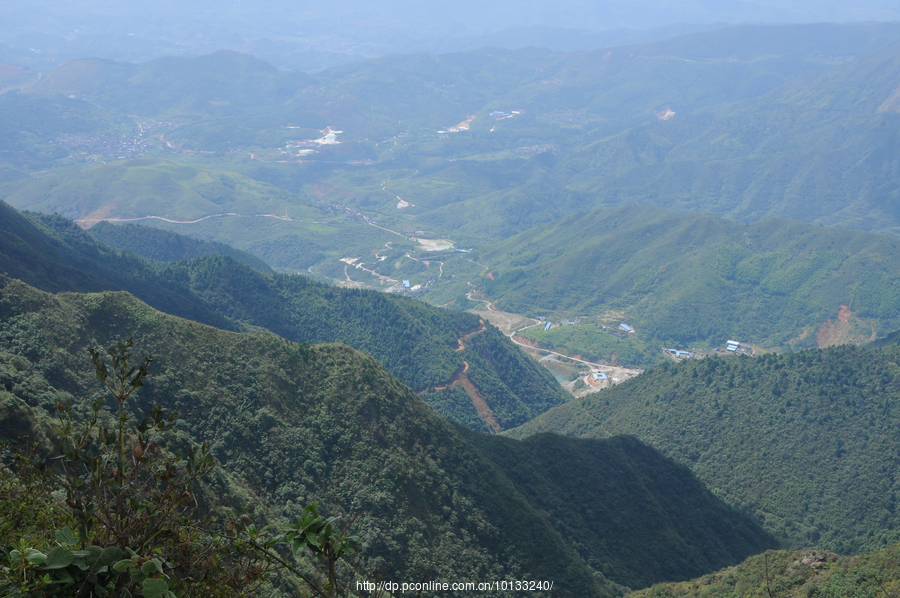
<point>406,283</point>
<point>599,376</point>
<point>626,327</point>
<point>547,327</point>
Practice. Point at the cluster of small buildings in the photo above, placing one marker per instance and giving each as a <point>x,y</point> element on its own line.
<point>562,323</point>
<point>732,346</point>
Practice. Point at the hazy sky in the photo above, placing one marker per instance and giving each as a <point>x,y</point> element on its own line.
<point>310,34</point>
<point>426,18</point>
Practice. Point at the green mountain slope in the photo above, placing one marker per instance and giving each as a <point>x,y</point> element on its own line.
<point>165,247</point>
<point>53,254</point>
<point>138,188</point>
<point>327,423</point>
<point>794,573</point>
<point>696,278</point>
<point>30,128</point>
<point>807,440</point>
<point>814,149</point>
<point>415,342</point>
<point>599,515</point>
<point>216,84</point>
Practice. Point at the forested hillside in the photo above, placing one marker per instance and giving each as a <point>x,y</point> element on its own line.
<point>416,342</point>
<point>53,254</point>
<point>324,422</point>
<point>627,540</point>
<point>165,247</point>
<point>695,278</point>
<point>806,441</point>
<point>794,573</point>
<point>747,122</point>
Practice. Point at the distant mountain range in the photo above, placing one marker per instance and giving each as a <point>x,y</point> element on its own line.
<point>339,174</point>
<point>325,34</point>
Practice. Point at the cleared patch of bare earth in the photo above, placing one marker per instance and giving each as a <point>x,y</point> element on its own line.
<point>481,407</point>
<point>845,329</point>
<point>463,126</point>
<point>460,378</point>
<point>432,244</point>
<point>507,323</point>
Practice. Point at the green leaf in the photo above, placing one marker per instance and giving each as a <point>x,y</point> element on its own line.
<point>137,575</point>
<point>31,555</point>
<point>111,556</point>
<point>59,558</point>
<point>66,537</point>
<point>149,568</point>
<point>123,565</point>
<point>155,588</point>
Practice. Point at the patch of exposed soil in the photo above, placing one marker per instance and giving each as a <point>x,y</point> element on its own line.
<point>481,406</point>
<point>460,345</point>
<point>463,126</point>
<point>508,323</point>
<point>525,341</point>
<point>460,378</point>
<point>846,329</point>
<point>433,244</point>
